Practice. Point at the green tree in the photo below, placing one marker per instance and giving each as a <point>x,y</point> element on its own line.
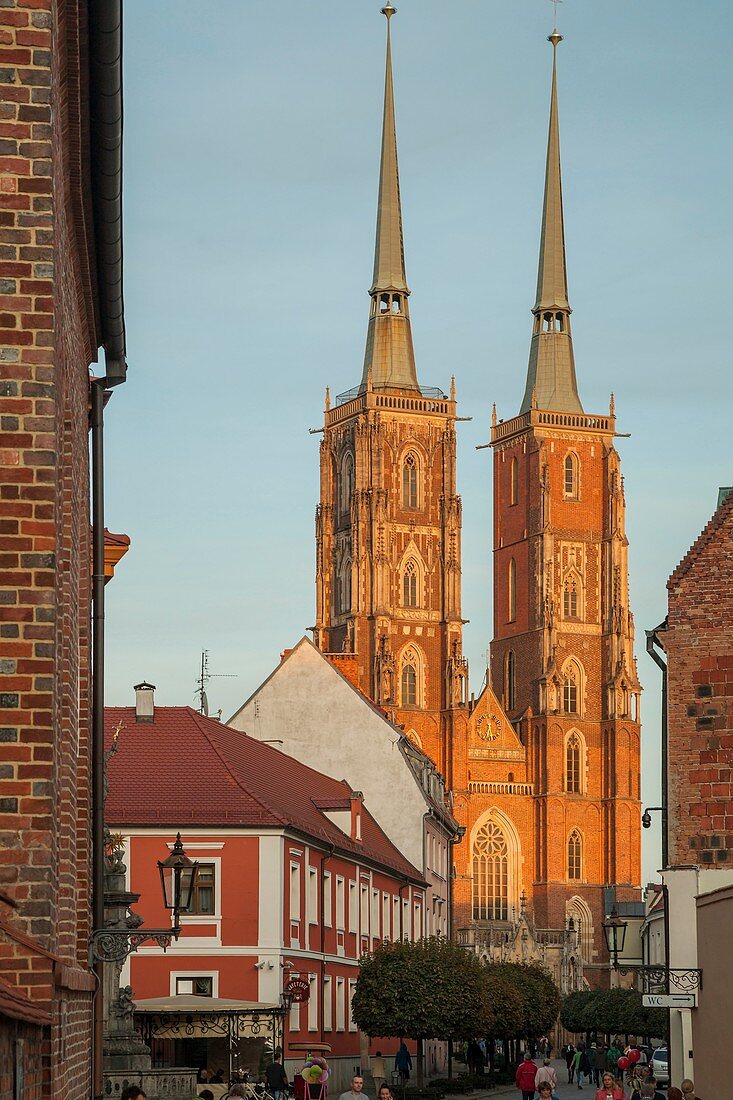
<point>612,1011</point>
<point>429,989</point>
<point>505,1000</point>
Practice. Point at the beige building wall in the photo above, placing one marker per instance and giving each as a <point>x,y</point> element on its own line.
<point>711,1019</point>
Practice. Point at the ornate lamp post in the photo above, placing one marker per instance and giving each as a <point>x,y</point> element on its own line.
<point>614,933</point>
<point>178,880</point>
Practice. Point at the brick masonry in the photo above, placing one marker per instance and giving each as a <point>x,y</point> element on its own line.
<point>47,340</point>
<point>699,644</point>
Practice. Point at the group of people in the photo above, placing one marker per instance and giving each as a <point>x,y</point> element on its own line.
<point>598,1066</point>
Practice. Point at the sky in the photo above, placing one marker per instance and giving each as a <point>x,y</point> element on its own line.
<point>252,136</point>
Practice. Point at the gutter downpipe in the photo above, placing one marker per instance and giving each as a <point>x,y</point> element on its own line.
<point>97,433</point>
<point>652,641</point>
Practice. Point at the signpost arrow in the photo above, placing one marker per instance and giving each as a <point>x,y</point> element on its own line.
<point>669,1000</point>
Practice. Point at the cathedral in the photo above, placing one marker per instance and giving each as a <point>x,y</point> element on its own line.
<point>544,766</point>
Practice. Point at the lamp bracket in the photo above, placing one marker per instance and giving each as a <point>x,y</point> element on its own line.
<point>662,979</point>
<point>115,944</point>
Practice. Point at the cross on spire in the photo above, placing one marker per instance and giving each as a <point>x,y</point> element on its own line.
<point>555,3</point>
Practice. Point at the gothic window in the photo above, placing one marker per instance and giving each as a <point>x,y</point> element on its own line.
<point>575,856</point>
<point>573,764</point>
<point>345,587</point>
<point>570,484</point>
<point>409,585</point>
<point>347,482</point>
<point>410,468</point>
<point>411,678</point>
<point>513,481</point>
<point>571,689</point>
<point>512,600</point>
<point>509,680</point>
<point>570,601</point>
<point>490,874</point>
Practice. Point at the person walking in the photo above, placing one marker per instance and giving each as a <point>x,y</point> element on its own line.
<point>688,1090</point>
<point>276,1078</point>
<point>356,1090</point>
<point>525,1075</point>
<point>580,1064</point>
<point>610,1089</point>
<point>379,1073</point>
<point>546,1092</point>
<point>545,1073</point>
<point>599,1062</point>
<point>568,1053</point>
<point>403,1063</point>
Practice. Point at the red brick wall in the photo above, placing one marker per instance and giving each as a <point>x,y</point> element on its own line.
<point>44,487</point>
<point>21,1053</point>
<point>699,645</point>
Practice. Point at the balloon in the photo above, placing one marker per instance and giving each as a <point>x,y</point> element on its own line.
<point>634,1055</point>
<point>623,1062</point>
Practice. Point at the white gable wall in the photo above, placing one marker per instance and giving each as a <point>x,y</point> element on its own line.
<point>324,723</point>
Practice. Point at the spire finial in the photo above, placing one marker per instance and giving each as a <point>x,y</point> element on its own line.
<point>555,37</point>
<point>388,10</point>
<point>328,398</point>
<point>453,387</point>
<point>612,405</point>
<point>493,417</point>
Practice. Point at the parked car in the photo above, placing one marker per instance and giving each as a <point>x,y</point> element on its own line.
<point>660,1065</point>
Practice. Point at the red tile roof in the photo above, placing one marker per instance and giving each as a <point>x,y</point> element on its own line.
<point>184,770</point>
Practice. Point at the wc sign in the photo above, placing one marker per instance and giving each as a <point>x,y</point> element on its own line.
<point>669,1000</point>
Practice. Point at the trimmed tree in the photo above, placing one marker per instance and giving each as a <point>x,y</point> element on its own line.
<point>428,989</point>
<point>613,1012</point>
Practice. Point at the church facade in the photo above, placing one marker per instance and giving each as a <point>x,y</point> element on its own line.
<point>543,767</point>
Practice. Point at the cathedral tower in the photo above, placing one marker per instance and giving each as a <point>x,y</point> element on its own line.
<point>562,660</point>
<point>388,525</point>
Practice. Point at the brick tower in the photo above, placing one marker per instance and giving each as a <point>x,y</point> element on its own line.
<point>562,658</point>
<point>547,783</point>
<point>388,525</point>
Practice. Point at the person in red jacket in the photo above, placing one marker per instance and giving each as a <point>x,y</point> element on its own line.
<point>526,1071</point>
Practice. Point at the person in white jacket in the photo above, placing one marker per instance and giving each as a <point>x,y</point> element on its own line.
<point>545,1073</point>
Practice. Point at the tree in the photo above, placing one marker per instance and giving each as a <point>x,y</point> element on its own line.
<point>428,989</point>
<point>612,1011</point>
<point>505,1000</point>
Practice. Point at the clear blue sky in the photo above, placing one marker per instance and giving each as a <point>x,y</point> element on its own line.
<point>251,159</point>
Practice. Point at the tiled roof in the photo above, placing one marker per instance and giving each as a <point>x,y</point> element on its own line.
<point>183,770</point>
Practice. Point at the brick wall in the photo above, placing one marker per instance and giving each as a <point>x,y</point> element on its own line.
<point>46,343</point>
<point>699,645</point>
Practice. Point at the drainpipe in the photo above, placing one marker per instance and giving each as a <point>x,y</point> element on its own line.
<point>97,433</point>
<point>652,641</point>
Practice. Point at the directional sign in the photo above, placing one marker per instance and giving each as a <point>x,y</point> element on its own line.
<point>669,1000</point>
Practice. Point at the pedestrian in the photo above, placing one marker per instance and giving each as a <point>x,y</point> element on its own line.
<point>637,1081</point>
<point>357,1086</point>
<point>385,1093</point>
<point>546,1092</point>
<point>276,1078</point>
<point>612,1056</point>
<point>688,1090</point>
<point>379,1073</point>
<point>568,1053</point>
<point>525,1075</point>
<point>610,1089</point>
<point>674,1093</point>
<point>237,1092</point>
<point>657,1094</point>
<point>581,1063</point>
<point>403,1063</point>
<point>545,1073</point>
<point>599,1063</point>
<point>133,1092</point>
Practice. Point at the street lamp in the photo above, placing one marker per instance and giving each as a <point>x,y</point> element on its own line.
<point>614,933</point>
<point>178,880</point>
<point>178,876</point>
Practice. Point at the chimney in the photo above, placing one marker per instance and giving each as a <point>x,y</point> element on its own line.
<point>144,702</point>
<point>357,799</point>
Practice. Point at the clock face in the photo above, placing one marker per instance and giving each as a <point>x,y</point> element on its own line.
<point>488,729</point>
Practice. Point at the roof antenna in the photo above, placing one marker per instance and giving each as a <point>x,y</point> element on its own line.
<point>203,681</point>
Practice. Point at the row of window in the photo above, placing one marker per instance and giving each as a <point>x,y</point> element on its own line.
<point>571,478</point>
<point>410,482</point>
<point>411,586</point>
<point>333,996</point>
<point>370,912</point>
<point>495,881</point>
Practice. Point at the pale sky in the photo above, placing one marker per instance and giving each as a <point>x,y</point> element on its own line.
<point>251,166</point>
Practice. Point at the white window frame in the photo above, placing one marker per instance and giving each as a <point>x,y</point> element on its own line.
<point>311,897</point>
<point>340,903</point>
<point>353,907</point>
<point>352,991</point>
<point>327,900</point>
<point>295,869</point>
<point>202,972</point>
<point>327,1003</point>
<point>313,1003</point>
<point>340,1004</point>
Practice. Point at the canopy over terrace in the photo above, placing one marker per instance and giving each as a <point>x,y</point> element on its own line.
<point>238,1032</point>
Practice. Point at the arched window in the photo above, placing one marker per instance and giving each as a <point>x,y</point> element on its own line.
<point>409,585</point>
<point>512,595</point>
<point>575,856</point>
<point>571,689</point>
<point>490,874</point>
<point>509,680</point>
<point>411,678</point>
<point>410,468</point>
<point>347,482</point>
<point>578,909</point>
<point>513,481</point>
<point>570,485</point>
<point>573,764</point>
<point>570,598</point>
<point>345,586</point>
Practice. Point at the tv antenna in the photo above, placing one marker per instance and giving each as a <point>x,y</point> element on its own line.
<point>203,680</point>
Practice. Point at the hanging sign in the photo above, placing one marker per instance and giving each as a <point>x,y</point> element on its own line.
<point>298,989</point>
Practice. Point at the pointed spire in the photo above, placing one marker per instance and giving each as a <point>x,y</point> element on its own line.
<point>389,352</point>
<point>551,373</point>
